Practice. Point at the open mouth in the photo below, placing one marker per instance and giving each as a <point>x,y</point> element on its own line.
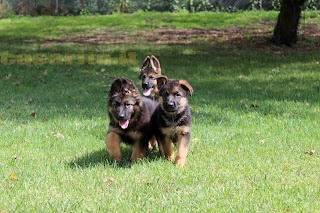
<point>147,91</point>
<point>124,124</point>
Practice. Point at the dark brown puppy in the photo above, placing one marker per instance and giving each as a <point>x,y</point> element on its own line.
<point>172,119</point>
<point>130,119</point>
<point>149,70</point>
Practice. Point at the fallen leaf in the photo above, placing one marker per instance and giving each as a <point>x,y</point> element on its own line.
<point>58,135</point>
<point>16,83</point>
<point>33,114</point>
<point>8,76</point>
<point>148,183</point>
<point>262,142</point>
<point>30,100</point>
<point>242,77</point>
<point>213,152</point>
<point>12,177</point>
<point>310,152</point>
<point>108,181</point>
<point>242,101</point>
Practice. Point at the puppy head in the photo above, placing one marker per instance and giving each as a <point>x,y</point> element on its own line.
<point>173,96</point>
<point>149,70</point>
<point>124,102</point>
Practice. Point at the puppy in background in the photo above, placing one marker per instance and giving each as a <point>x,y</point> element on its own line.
<point>149,71</point>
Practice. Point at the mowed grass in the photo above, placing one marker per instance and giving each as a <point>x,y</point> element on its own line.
<point>255,132</point>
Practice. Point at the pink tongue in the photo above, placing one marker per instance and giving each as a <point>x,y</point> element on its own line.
<point>147,92</point>
<point>124,124</point>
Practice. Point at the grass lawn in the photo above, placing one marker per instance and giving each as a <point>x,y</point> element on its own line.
<point>255,136</point>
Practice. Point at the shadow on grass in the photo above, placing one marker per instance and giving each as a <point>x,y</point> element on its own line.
<point>220,75</point>
<point>101,157</point>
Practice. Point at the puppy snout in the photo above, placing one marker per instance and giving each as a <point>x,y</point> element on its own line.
<point>170,104</point>
<point>145,84</point>
<point>121,115</point>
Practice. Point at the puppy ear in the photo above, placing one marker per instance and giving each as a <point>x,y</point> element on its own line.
<point>186,86</point>
<point>121,85</point>
<point>155,64</point>
<point>145,63</point>
<point>161,80</point>
<point>115,86</point>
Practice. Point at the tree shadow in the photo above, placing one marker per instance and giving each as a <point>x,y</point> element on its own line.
<point>212,68</point>
<point>218,74</point>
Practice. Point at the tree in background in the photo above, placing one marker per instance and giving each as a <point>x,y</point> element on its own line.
<point>285,31</point>
<point>5,9</point>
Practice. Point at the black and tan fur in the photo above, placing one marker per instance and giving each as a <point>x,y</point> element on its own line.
<point>149,71</point>
<point>172,119</point>
<point>130,119</point>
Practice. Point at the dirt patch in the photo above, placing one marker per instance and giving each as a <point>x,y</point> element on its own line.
<point>257,37</point>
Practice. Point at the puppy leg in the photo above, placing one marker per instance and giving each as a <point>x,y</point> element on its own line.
<point>152,143</point>
<point>182,149</point>
<point>138,152</point>
<point>167,148</point>
<point>113,145</point>
<point>160,146</point>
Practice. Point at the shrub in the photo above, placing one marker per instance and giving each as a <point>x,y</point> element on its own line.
<point>87,7</point>
<point>6,9</point>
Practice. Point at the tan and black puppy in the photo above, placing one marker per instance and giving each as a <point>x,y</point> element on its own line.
<point>172,119</point>
<point>130,119</point>
<point>149,71</point>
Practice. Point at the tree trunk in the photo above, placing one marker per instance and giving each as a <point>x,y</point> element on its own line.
<point>56,11</point>
<point>54,7</point>
<point>285,31</point>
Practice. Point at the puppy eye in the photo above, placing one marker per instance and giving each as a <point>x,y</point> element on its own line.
<point>177,94</point>
<point>116,105</point>
<point>143,77</point>
<point>151,77</point>
<point>127,104</point>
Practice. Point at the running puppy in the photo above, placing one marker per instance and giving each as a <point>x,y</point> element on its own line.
<point>172,119</point>
<point>130,119</point>
<point>149,71</point>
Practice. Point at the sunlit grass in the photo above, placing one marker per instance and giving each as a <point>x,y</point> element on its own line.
<point>52,27</point>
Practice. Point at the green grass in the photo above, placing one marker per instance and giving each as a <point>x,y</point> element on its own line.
<point>51,27</point>
<point>255,114</point>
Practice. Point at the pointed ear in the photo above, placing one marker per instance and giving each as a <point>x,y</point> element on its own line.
<point>145,63</point>
<point>118,85</point>
<point>161,80</point>
<point>115,87</point>
<point>186,86</point>
<point>155,64</point>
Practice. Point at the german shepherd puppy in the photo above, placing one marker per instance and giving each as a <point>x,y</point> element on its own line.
<point>130,119</point>
<point>172,119</point>
<point>149,70</point>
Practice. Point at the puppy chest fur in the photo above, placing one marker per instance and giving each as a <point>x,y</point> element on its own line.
<point>176,133</point>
